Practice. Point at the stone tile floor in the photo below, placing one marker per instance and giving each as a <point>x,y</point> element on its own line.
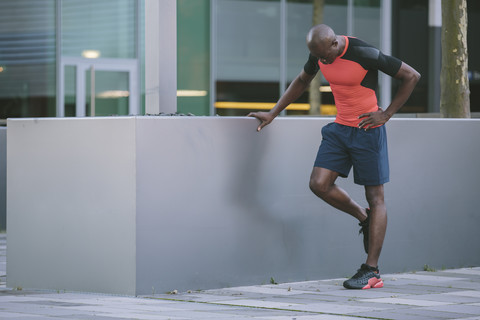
<point>446,294</point>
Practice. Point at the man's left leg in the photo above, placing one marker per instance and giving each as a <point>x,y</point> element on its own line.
<point>368,276</point>
<point>378,223</point>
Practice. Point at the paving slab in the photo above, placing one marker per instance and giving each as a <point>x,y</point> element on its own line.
<point>444,294</point>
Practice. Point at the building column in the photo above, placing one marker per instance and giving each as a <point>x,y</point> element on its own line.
<point>160,56</point>
<point>385,87</point>
<point>434,54</point>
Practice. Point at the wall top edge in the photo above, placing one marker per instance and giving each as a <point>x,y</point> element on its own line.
<point>68,119</point>
<point>175,118</point>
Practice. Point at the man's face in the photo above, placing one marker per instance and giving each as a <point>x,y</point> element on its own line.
<point>325,52</point>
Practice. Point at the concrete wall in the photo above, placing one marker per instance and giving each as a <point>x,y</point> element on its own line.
<point>218,204</point>
<point>3,178</point>
<point>71,204</point>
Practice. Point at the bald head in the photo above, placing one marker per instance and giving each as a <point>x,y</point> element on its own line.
<point>321,34</point>
<point>323,43</point>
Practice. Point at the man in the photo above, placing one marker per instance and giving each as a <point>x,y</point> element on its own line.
<point>357,137</point>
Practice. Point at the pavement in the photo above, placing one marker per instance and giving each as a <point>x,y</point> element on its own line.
<point>442,294</point>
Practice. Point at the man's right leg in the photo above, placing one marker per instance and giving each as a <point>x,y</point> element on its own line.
<point>322,184</point>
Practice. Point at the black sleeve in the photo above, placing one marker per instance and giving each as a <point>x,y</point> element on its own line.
<point>311,67</point>
<point>370,57</point>
<point>388,64</point>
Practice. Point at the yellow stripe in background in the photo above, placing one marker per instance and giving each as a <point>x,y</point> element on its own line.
<point>326,109</point>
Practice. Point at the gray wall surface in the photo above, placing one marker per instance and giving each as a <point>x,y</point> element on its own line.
<point>218,204</point>
<point>3,178</point>
<point>71,204</point>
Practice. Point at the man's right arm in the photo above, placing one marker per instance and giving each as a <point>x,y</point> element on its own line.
<point>293,92</point>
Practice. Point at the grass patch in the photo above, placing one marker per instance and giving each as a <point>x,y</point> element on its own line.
<point>428,268</point>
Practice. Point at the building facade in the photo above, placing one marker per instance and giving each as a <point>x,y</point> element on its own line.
<point>64,58</point>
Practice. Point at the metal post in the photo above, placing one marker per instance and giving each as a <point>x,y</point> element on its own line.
<point>385,88</point>
<point>283,49</point>
<point>350,18</point>
<point>138,84</point>
<point>80,91</point>
<point>434,54</point>
<point>160,56</point>
<point>60,88</point>
<point>213,55</point>
<point>92,91</point>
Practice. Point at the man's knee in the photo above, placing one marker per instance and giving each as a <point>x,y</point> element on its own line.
<point>319,186</point>
<point>375,196</point>
<point>322,181</point>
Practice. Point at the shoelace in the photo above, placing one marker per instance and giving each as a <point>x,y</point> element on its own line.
<point>363,271</point>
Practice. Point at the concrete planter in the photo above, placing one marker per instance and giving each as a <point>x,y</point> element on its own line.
<point>135,205</point>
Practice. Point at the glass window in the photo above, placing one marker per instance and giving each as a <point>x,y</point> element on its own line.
<point>99,29</point>
<point>248,55</point>
<point>193,57</point>
<point>366,21</point>
<point>111,93</point>
<point>103,36</point>
<point>299,21</point>
<point>70,90</point>
<point>409,31</point>
<point>249,48</point>
<point>27,58</point>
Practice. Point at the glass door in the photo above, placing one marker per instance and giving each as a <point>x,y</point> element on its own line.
<point>107,93</point>
<point>99,87</point>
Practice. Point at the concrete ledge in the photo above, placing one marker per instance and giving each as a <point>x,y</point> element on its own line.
<point>132,205</point>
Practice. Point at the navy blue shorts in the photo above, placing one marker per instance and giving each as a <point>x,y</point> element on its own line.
<point>343,147</point>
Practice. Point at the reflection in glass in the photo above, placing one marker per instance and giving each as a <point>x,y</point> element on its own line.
<point>70,90</point>
<point>27,58</point>
<point>103,28</point>
<point>248,56</point>
<point>111,93</point>
<point>248,47</point>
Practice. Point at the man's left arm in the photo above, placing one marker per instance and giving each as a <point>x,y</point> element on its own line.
<point>409,78</point>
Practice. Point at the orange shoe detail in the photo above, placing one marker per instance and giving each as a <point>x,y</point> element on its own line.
<point>374,283</point>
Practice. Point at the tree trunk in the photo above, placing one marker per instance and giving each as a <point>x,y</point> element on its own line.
<point>455,92</point>
<point>315,97</point>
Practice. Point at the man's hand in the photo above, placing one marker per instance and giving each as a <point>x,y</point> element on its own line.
<point>264,117</point>
<point>373,119</point>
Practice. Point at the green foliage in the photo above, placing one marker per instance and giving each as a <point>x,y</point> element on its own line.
<point>428,268</point>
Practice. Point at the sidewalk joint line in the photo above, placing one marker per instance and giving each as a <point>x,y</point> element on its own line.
<point>267,308</point>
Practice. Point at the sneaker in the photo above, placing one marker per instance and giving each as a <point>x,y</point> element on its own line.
<point>365,228</point>
<point>366,278</point>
